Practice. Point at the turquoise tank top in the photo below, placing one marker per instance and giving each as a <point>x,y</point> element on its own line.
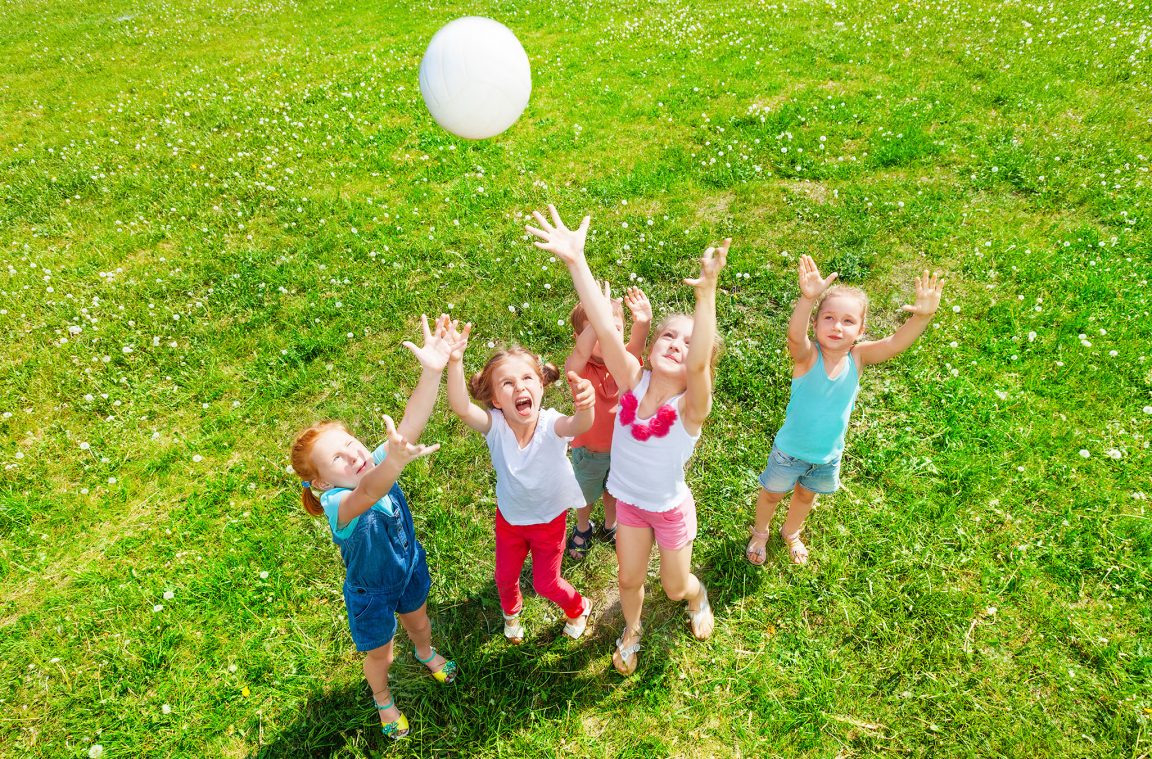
<point>818,410</point>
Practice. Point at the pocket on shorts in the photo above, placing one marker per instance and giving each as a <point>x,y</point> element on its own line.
<point>359,603</point>
<point>780,458</point>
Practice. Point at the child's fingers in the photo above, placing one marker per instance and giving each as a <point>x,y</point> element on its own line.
<point>831,278</point>
<point>390,426</point>
<point>539,217</point>
<point>419,451</point>
<point>584,224</point>
<point>537,232</point>
<point>555,216</point>
<point>424,325</point>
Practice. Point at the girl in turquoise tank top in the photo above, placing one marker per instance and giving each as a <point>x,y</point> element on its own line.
<point>825,380</point>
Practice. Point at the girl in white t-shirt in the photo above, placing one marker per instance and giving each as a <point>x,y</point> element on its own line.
<point>535,485</point>
<point>662,409</point>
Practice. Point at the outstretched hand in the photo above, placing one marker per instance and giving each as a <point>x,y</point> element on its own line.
<point>457,339</point>
<point>638,305</point>
<point>711,264</point>
<point>556,238</point>
<point>433,355</point>
<point>399,450</point>
<point>583,394</point>
<point>928,292</point>
<point>812,285</point>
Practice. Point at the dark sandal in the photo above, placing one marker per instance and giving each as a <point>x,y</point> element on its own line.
<point>576,550</point>
<point>608,535</point>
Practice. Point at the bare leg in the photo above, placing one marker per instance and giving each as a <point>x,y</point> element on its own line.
<point>766,504</point>
<point>803,500</point>
<point>633,548</point>
<point>419,629</point>
<point>377,662</point>
<point>680,584</point>
<point>609,502</point>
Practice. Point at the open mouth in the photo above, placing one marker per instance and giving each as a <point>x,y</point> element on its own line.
<point>524,406</point>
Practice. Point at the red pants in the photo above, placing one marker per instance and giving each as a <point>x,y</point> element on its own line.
<point>546,544</point>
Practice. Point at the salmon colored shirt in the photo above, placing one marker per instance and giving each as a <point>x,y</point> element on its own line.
<point>599,438</point>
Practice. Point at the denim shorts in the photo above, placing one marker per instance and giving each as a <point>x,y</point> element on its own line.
<point>372,613</point>
<point>591,468</point>
<point>784,471</point>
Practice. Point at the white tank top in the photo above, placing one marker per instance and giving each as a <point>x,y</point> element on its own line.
<point>649,473</point>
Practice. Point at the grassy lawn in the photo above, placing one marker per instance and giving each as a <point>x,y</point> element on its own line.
<point>219,219</point>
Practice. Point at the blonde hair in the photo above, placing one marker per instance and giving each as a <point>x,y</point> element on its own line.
<point>717,344</point>
<point>480,384</point>
<point>846,290</point>
<point>301,458</point>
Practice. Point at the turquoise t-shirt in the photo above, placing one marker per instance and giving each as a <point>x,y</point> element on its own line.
<point>818,411</point>
<point>330,501</point>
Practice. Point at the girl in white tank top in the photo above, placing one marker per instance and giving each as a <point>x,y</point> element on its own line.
<point>661,413</point>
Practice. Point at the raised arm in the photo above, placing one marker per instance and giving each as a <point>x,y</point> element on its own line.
<point>581,351</point>
<point>928,292</point>
<point>812,286</point>
<point>380,479</point>
<point>641,310</point>
<point>433,357</point>
<point>472,415</point>
<point>584,401</point>
<point>698,397</point>
<point>568,245</point>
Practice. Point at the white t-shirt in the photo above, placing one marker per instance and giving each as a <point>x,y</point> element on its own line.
<point>534,484</point>
<point>649,474</point>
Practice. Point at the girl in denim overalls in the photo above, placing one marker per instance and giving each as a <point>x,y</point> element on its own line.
<point>387,570</point>
<point>825,380</point>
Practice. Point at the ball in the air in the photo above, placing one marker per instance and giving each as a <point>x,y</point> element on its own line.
<point>475,77</point>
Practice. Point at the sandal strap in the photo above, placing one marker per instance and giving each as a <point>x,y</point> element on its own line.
<point>431,656</point>
<point>761,535</point>
<point>389,705</point>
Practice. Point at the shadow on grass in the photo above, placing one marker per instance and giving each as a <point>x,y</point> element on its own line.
<point>501,688</point>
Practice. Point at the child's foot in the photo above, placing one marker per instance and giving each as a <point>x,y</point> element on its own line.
<point>443,670</point>
<point>796,549</point>
<point>580,541</point>
<point>627,649</point>
<point>756,551</point>
<point>608,535</point>
<point>392,722</point>
<point>576,626</point>
<point>703,622</point>
<point>513,630</point>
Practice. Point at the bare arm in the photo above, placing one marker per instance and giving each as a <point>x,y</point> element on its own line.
<point>582,351</point>
<point>812,286</point>
<point>641,309</point>
<point>433,357</point>
<point>472,415</point>
<point>928,292</point>
<point>698,397</point>
<point>380,479</point>
<point>584,400</point>
<point>568,245</point>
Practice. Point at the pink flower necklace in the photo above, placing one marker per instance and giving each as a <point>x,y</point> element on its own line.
<point>659,425</point>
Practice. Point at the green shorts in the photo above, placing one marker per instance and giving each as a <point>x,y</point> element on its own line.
<point>591,470</point>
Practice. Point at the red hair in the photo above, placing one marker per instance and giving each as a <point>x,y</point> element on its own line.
<point>481,383</point>
<point>302,462</point>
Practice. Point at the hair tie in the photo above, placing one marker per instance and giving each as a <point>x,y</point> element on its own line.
<point>305,484</point>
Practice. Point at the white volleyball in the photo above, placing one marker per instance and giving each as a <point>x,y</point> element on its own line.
<point>475,77</point>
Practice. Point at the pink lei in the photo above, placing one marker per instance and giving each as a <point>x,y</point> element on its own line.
<point>659,425</point>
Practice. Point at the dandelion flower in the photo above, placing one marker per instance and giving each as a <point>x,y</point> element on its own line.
<point>95,751</point>
<point>1084,453</point>
<point>1114,454</point>
<point>169,595</point>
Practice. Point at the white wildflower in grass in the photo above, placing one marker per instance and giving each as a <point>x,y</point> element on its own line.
<point>1002,395</point>
<point>166,709</point>
<point>1086,343</point>
<point>84,446</point>
<point>75,329</point>
<point>169,595</point>
<point>111,480</point>
<point>955,309</point>
<point>232,668</point>
<point>264,575</point>
<point>95,751</point>
<point>1085,453</point>
<point>1113,354</point>
<point>1148,409</point>
<point>197,458</point>
<point>1031,337</point>
<point>158,607</point>
<point>1114,454</point>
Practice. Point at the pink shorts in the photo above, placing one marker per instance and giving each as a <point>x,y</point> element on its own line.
<point>674,528</point>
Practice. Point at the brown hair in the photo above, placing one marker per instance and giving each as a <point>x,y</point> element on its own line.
<point>302,462</point>
<point>717,344</point>
<point>481,383</point>
<point>848,290</point>
<point>579,320</point>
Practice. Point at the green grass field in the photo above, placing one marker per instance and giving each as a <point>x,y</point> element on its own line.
<point>219,219</point>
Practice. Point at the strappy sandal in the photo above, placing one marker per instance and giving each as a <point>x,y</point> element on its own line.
<point>702,616</point>
<point>625,658</point>
<point>575,628</point>
<point>608,535</point>
<point>756,552</point>
<point>446,674</point>
<point>397,728</point>
<point>513,630</point>
<point>796,549</point>
<point>580,550</point>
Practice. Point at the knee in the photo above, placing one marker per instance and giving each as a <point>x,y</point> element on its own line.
<point>629,583</point>
<point>381,655</point>
<point>675,591</point>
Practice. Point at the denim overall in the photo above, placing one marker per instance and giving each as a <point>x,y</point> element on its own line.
<point>387,572</point>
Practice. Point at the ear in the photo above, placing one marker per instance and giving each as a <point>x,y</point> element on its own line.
<point>318,484</point>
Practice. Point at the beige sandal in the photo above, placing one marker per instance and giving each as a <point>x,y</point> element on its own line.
<point>625,659</point>
<point>702,617</point>
<point>757,552</point>
<point>574,628</point>
<point>513,630</point>
<point>796,549</point>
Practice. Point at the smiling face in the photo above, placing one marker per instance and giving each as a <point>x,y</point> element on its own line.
<point>340,459</point>
<point>670,346</point>
<point>839,322</point>
<point>517,390</point>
